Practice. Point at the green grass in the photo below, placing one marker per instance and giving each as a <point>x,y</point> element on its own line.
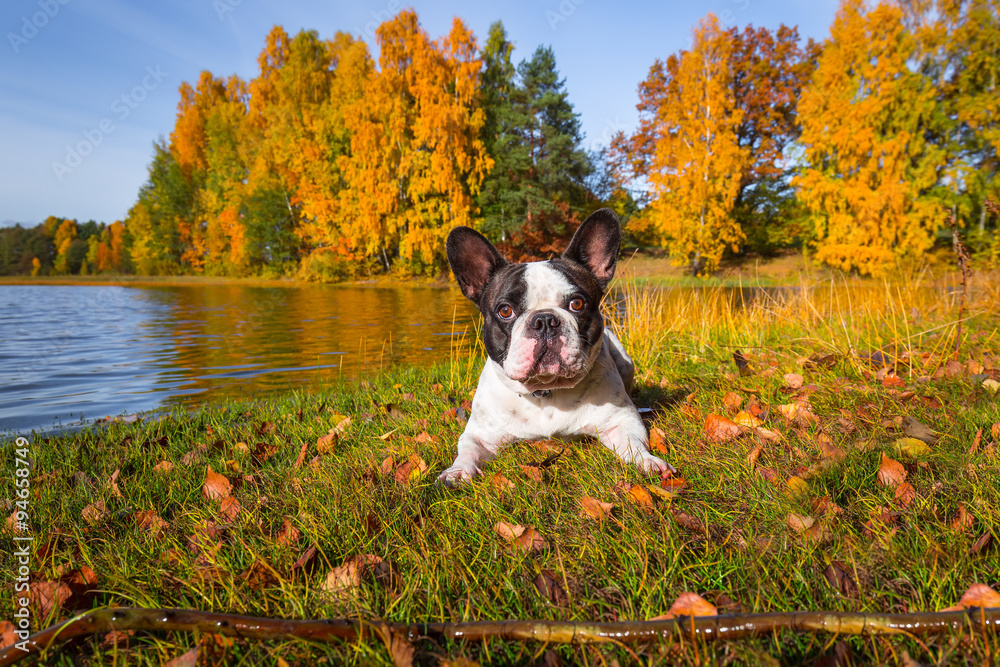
<point>447,562</point>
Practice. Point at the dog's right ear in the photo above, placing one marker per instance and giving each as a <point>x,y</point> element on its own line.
<point>474,260</point>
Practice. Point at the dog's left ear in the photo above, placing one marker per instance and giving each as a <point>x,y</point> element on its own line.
<point>596,244</point>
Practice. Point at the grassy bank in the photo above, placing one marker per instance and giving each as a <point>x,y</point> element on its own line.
<point>316,516</point>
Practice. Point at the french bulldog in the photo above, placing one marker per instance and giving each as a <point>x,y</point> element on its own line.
<point>553,368</point>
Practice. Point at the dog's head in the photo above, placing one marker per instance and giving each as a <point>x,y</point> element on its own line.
<point>543,324</point>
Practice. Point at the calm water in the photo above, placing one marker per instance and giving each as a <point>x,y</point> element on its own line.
<point>72,354</point>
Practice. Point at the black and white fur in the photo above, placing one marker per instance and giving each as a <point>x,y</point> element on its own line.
<point>553,369</point>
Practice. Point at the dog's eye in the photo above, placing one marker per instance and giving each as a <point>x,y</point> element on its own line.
<point>505,312</point>
<point>576,305</point>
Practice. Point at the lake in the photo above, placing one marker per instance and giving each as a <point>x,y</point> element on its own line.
<point>73,354</point>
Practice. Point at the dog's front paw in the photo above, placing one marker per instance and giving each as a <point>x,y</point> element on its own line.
<point>650,463</point>
<point>457,474</point>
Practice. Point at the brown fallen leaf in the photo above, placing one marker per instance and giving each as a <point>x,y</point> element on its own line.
<point>411,469</point>
<point>721,429</point>
<point>229,509</point>
<point>94,512</point>
<point>977,595</point>
<point>827,449</point>
<point>547,584</point>
<point>742,364</point>
<point>594,508</point>
<point>216,486</point>
<point>963,520</point>
<point>753,456</point>
<point>531,540</point>
<point>45,596</point>
<point>732,401</point>
<point>508,531</point>
<point>688,522</point>
<point>163,467</point>
<point>793,380</point>
<point>288,535</point>
<point>260,575</point>
<point>891,472</point>
<point>915,429</point>
<point>975,441</point>
<point>8,634</point>
<point>325,443</point>
<point>500,483</point>
<point>799,522</point>
<point>984,541</point>
<point>149,522</point>
<point>839,577</point>
<point>767,474</point>
<point>905,494</point>
<point>534,473</point>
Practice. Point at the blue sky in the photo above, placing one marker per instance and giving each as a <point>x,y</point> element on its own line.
<point>105,73</point>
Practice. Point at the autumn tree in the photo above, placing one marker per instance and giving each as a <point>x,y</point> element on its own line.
<point>767,71</point>
<point>416,156</point>
<point>868,120</point>
<point>697,164</point>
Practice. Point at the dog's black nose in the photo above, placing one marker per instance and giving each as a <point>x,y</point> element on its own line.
<point>544,322</point>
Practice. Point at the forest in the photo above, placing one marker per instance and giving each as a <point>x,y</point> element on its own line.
<point>331,164</point>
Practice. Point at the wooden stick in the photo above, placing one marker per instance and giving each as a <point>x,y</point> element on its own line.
<point>553,632</point>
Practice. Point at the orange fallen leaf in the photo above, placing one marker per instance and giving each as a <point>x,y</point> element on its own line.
<point>148,521</point>
<point>657,440</point>
<point>674,484</point>
<point>732,401</point>
<point>689,604</point>
<point>753,456</point>
<point>977,595</point>
<point>905,494</point>
<point>721,429</point>
<point>326,442</point>
<point>163,467</point>
<point>747,419</point>
<point>216,486</point>
<point>594,508</point>
<point>48,595</point>
<point>963,520</point>
<point>640,496</point>
<point>793,380</point>
<point>288,534</point>
<point>500,483</point>
<point>534,473</point>
<point>229,508</point>
<point>891,472</point>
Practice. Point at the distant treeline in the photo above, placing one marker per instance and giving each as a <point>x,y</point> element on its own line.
<point>331,165</point>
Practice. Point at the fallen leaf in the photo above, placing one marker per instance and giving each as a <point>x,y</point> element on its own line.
<point>163,467</point>
<point>531,540</point>
<point>229,508</point>
<point>963,520</point>
<point>657,440</point>
<point>839,577</point>
<point>288,535</point>
<point>94,512</point>
<point>688,522</point>
<point>660,492</point>
<point>721,429</point>
<point>799,522</point>
<point>189,659</point>
<point>8,634</point>
<point>977,595</point>
<point>500,483</point>
<point>534,473</point>
<point>953,369</point>
<point>547,584</point>
<point>692,604</point>
<point>732,401</point>
<point>326,442</point>
<point>260,576</point>
<point>793,380</point>
<point>508,531</point>
<point>827,449</point>
<point>342,578</point>
<point>991,385</point>
<point>797,486</point>
<point>673,484</point>
<point>411,469</point>
<point>753,456</point>
<point>891,472</point>
<point>984,541</point>
<point>747,419</point>
<point>915,429</point>
<point>767,474</point>
<point>401,650</point>
<point>216,486</point>
<point>594,508</point>
<point>905,494</point>
<point>975,441</point>
<point>742,364</point>
<point>640,496</point>
<point>912,447</point>
<point>45,596</point>
<point>148,521</point>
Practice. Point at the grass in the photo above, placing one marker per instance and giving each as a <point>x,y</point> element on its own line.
<point>446,562</point>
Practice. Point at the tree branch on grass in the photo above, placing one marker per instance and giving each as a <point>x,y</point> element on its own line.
<point>736,626</point>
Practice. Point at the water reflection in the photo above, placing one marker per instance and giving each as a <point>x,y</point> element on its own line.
<point>82,352</point>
